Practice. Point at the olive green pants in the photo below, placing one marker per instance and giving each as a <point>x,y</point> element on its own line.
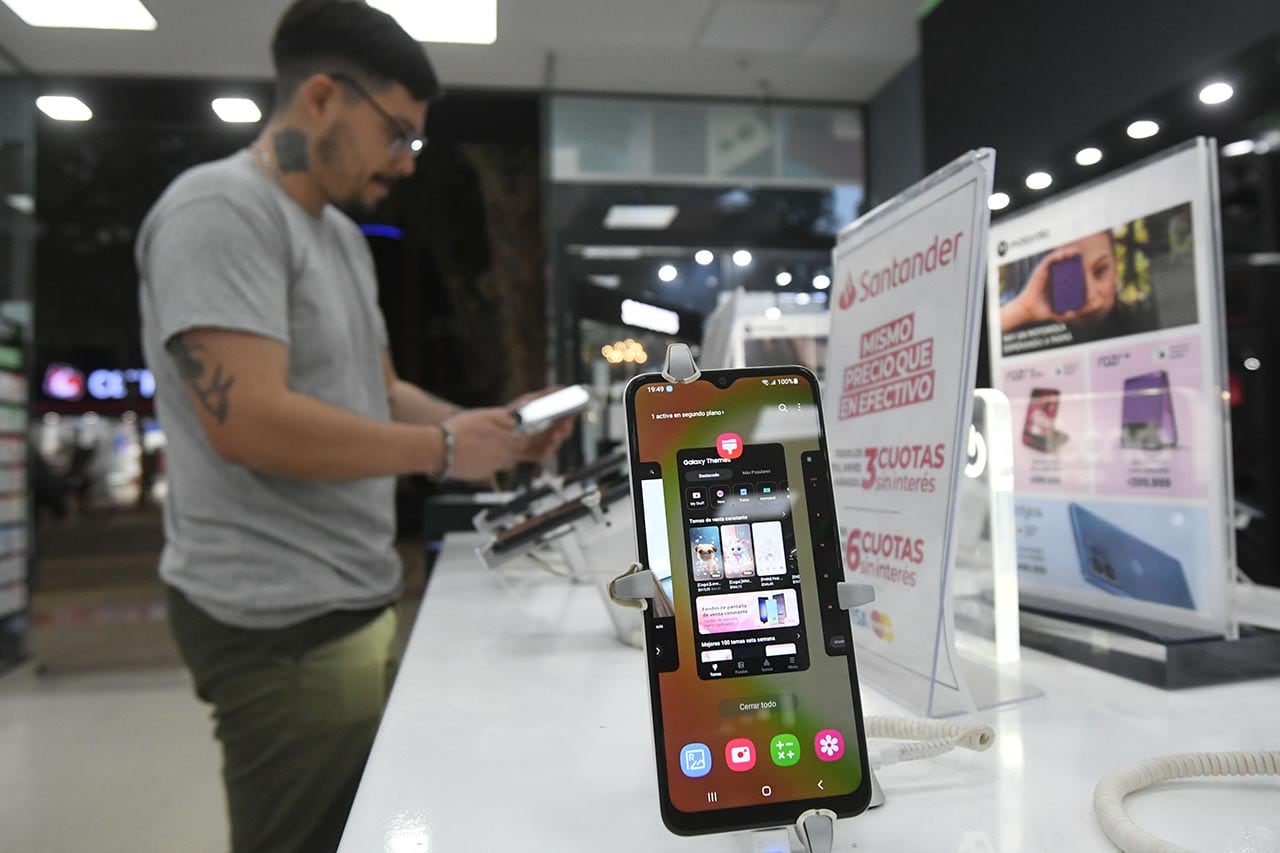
<point>295,710</point>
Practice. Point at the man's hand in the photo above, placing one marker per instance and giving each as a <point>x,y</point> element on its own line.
<point>485,441</point>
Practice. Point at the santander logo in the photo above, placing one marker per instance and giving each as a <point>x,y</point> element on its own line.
<point>63,382</point>
<point>848,294</point>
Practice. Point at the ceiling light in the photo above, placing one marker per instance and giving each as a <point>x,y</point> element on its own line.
<point>1088,156</point>
<point>821,281</point>
<point>1252,363</point>
<point>472,22</point>
<point>237,110</point>
<point>609,282</point>
<point>1143,129</point>
<point>612,253</point>
<point>1216,93</point>
<point>21,202</point>
<point>802,298</point>
<point>84,14</point>
<point>1039,180</point>
<point>667,273</point>
<point>783,278</point>
<point>64,108</point>
<point>1235,149</point>
<point>820,297</point>
<point>998,201</point>
<point>773,312</point>
<point>742,258</point>
<point>649,217</point>
<point>648,316</point>
<point>704,258</point>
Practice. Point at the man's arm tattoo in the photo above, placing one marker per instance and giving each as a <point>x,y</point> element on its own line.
<point>291,150</point>
<point>211,391</point>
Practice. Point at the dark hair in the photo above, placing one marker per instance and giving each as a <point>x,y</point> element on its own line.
<point>349,36</point>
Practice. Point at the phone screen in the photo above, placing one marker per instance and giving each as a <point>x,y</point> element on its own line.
<point>1038,429</point>
<point>752,679</point>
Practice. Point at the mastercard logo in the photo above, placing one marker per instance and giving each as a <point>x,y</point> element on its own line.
<point>882,625</point>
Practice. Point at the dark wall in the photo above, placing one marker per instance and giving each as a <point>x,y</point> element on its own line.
<point>1029,78</point>
<point>895,131</point>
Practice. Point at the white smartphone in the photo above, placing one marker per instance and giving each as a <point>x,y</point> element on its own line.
<point>537,415</point>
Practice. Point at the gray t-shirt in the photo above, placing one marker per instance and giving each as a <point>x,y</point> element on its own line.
<point>226,248</point>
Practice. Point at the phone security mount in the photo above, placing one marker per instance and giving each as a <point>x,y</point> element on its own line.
<point>637,587</point>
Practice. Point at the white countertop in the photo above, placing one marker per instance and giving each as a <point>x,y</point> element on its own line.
<point>518,722</point>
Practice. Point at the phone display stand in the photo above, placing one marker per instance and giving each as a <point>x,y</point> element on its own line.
<point>638,588</point>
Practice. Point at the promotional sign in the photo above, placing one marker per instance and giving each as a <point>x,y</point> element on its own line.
<point>900,375</point>
<point>1107,336</point>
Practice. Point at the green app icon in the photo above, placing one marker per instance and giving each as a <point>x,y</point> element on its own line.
<point>785,750</point>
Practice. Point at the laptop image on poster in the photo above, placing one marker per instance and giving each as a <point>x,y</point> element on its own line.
<point>1146,420</point>
<point>1122,564</point>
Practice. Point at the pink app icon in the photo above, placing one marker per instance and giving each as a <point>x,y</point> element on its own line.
<point>829,745</point>
<point>729,445</point>
<point>740,754</point>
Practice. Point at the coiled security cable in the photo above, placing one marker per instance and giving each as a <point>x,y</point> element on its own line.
<point>1108,796</point>
<point>924,738</point>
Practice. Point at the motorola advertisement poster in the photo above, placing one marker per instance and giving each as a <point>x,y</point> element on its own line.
<point>905,316</point>
<point>1106,322</point>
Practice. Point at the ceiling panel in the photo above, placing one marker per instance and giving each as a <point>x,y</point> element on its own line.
<point>762,26</point>
<point>804,49</point>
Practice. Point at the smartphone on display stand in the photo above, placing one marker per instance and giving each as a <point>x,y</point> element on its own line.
<point>536,415</point>
<point>1067,285</point>
<point>752,680</point>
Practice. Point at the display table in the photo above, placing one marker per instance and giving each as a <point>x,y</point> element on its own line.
<point>518,722</point>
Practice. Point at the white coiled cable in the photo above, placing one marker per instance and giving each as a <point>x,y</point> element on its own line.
<point>1108,796</point>
<point>925,738</point>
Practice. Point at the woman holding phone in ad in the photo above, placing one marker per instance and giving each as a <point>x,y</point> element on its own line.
<point>1075,283</point>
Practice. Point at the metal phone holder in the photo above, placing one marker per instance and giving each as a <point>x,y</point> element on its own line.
<point>637,587</point>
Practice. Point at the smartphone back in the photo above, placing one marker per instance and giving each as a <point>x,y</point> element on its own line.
<point>1125,565</point>
<point>1066,285</point>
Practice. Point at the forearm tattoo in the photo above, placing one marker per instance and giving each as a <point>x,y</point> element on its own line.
<point>291,150</point>
<point>210,390</point>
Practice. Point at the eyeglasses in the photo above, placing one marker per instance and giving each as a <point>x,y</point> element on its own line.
<point>403,139</point>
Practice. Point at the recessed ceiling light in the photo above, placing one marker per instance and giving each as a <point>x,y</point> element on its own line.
<point>1143,129</point>
<point>1088,156</point>
<point>646,316</point>
<point>667,273</point>
<point>704,257</point>
<point>1252,363</point>
<point>1216,93</point>
<point>821,281</point>
<point>648,217</point>
<point>783,278</point>
<point>64,108</point>
<point>742,258</point>
<point>84,14</point>
<point>21,202</point>
<point>237,110</point>
<point>612,253</point>
<point>773,312</point>
<point>802,298</point>
<point>1235,149</point>
<point>1039,180</point>
<point>998,201</point>
<point>445,21</point>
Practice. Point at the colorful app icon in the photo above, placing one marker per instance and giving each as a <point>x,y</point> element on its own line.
<point>740,755</point>
<point>829,745</point>
<point>729,445</point>
<point>785,750</point>
<point>695,760</point>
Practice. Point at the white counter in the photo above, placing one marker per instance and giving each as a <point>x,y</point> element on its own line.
<point>519,723</point>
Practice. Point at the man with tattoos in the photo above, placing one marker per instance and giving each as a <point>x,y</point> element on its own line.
<point>287,423</point>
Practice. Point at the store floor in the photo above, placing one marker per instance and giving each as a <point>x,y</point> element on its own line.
<point>103,745</point>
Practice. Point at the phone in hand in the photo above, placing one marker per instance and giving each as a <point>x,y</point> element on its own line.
<point>752,679</point>
<point>1067,289</point>
<point>536,415</point>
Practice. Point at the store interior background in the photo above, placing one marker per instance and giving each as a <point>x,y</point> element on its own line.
<point>766,125</point>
